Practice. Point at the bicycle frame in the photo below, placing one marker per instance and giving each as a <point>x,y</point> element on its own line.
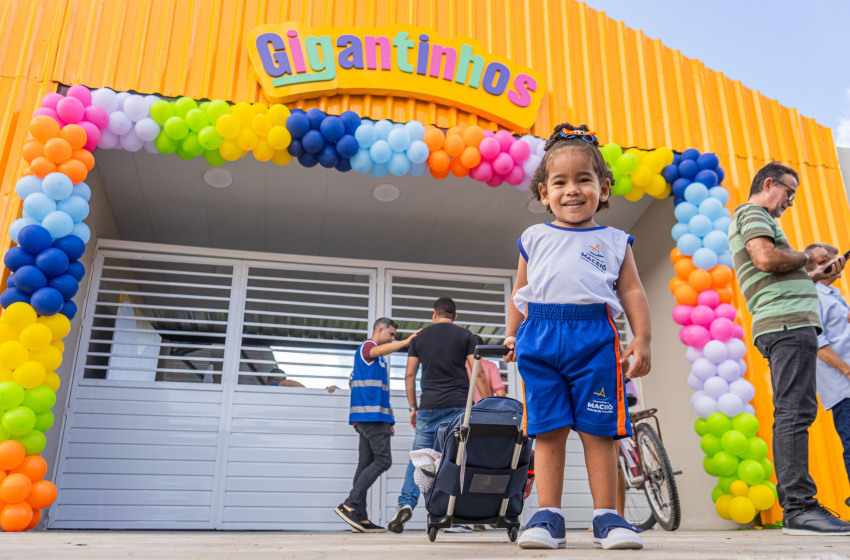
<point>635,472</point>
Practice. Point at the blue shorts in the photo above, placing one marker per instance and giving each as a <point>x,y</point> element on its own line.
<point>568,357</point>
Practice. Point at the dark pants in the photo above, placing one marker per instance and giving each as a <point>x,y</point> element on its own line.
<point>792,355</point>
<point>841,418</point>
<point>375,459</point>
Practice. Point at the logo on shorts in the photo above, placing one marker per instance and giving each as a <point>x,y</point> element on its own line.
<point>600,404</point>
<point>594,256</point>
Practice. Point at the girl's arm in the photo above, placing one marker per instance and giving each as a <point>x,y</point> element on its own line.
<point>636,306</point>
<point>515,316</point>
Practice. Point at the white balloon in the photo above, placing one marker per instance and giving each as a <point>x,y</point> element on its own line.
<point>136,108</point>
<point>150,147</point>
<point>705,406</point>
<point>119,123</point>
<point>743,389</point>
<point>715,387</point>
<point>122,97</point>
<point>749,409</point>
<point>742,366</point>
<point>715,351</point>
<point>108,140</point>
<point>106,99</point>
<point>697,395</point>
<point>151,99</point>
<point>703,369</point>
<point>731,405</point>
<point>736,349</point>
<point>147,129</point>
<point>728,370</point>
<point>693,354</point>
<point>130,142</point>
<point>694,382</point>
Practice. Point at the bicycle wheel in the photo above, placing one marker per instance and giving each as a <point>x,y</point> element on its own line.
<point>660,487</point>
<point>637,510</point>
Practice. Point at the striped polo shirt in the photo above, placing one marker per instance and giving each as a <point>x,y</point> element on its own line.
<point>775,300</point>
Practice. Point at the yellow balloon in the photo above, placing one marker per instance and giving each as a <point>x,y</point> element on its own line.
<point>58,324</point>
<point>261,125</point>
<point>59,344</point>
<point>639,154</point>
<point>230,150</point>
<point>762,497</point>
<point>228,126</point>
<point>721,506</point>
<point>259,109</point>
<point>635,194</point>
<point>281,157</point>
<point>642,176</point>
<point>51,380</point>
<point>654,161</point>
<point>739,488</point>
<point>742,510</point>
<point>246,139</point>
<point>666,155</point>
<point>665,193</point>
<point>279,138</point>
<point>29,374</point>
<point>278,113</point>
<point>8,333</point>
<point>5,375</point>
<point>656,185</point>
<point>13,354</point>
<point>50,358</point>
<point>244,113</point>
<point>36,336</point>
<point>19,315</point>
<point>263,151</point>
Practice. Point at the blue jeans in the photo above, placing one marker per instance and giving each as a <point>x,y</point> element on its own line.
<point>841,418</point>
<point>426,424</point>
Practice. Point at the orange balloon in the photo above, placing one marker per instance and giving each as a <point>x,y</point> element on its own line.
<point>439,161</point>
<point>684,267</point>
<point>12,454</point>
<point>34,467</point>
<point>434,138</point>
<point>74,134</point>
<point>470,157</point>
<point>676,255</point>
<point>75,170</point>
<point>36,517</point>
<point>27,171</point>
<point>15,488</point>
<point>439,174</point>
<point>675,283</point>
<point>16,517</point>
<point>472,136</point>
<point>57,150</point>
<point>456,131</point>
<point>726,294</point>
<point>721,276</point>
<point>457,168</point>
<point>42,494</point>
<point>41,166</point>
<point>43,128</point>
<point>32,150</point>
<point>454,145</point>
<point>85,157</point>
<point>699,280</point>
<point>686,295</point>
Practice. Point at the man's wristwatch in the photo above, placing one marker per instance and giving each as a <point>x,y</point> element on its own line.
<point>413,409</point>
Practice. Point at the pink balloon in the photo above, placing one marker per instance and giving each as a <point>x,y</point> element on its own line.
<point>708,298</point>
<point>698,336</point>
<point>722,329</point>
<point>682,314</point>
<point>519,151</point>
<point>71,110</point>
<point>489,148</point>
<point>97,116</point>
<point>738,331</point>
<point>503,163</point>
<point>495,180</point>
<point>702,315</point>
<point>48,112</point>
<point>483,172</point>
<point>488,133</point>
<point>51,100</point>
<point>683,335</point>
<point>92,135</point>
<point>82,93</point>
<point>516,175</point>
<point>505,139</point>
<point>726,311</point>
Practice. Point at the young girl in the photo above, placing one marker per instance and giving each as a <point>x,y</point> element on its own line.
<point>570,274</point>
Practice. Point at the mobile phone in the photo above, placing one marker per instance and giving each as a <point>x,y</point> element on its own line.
<point>828,269</point>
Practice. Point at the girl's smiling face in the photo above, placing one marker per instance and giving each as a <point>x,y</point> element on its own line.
<point>573,190</point>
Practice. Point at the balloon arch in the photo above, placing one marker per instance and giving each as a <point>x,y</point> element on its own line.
<point>51,237</point>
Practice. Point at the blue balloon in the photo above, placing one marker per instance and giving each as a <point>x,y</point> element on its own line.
<point>720,175</point>
<point>71,246</point>
<point>361,162</point>
<point>57,186</point>
<point>685,211</point>
<point>708,160</point>
<point>47,301</point>
<point>297,124</point>
<point>415,129</point>
<point>726,259</point>
<point>688,169</point>
<point>717,241</point>
<point>380,169</point>
<point>678,231</point>
<point>69,310</point>
<point>704,258</point>
<point>299,111</point>
<point>20,224</point>
<point>328,157</point>
<point>398,139</point>
<point>691,154</point>
<point>679,187</point>
<point>343,165</point>
<point>699,225</point>
<point>722,224</point>
<point>82,190</point>
<point>313,142</point>
<point>707,177</point>
<point>315,116</point>
<point>16,257</point>
<point>677,200</point>
<point>418,152</point>
<point>10,281</point>
<point>711,208</point>
<point>34,239</point>
<point>28,185</point>
<point>77,270</point>
<point>720,193</point>
<point>82,231</point>
<point>366,135</point>
<point>29,279</point>
<point>295,148</point>
<point>696,193</point>
<point>13,295</point>
<point>307,159</point>
<point>383,129</point>
<point>417,169</point>
<point>52,262</point>
<point>75,207</point>
<point>670,173</point>
<point>399,164</point>
<point>350,120</point>
<point>332,128</point>
<point>676,158</point>
<point>347,146</point>
<point>380,152</point>
<point>65,284</point>
<point>58,223</point>
<point>688,244</point>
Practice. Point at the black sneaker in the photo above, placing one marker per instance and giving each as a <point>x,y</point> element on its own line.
<point>816,521</point>
<point>402,516</point>
<point>350,517</point>
<point>369,527</point>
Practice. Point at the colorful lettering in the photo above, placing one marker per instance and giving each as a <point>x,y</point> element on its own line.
<point>352,55</point>
<point>273,54</point>
<point>437,54</point>
<point>371,58</point>
<point>523,83</point>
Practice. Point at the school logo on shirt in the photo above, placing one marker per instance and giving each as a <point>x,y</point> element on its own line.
<point>594,256</point>
<point>600,404</point>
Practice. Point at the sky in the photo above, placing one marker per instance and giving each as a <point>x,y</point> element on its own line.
<point>797,52</point>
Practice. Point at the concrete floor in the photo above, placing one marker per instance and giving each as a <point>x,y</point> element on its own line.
<point>723,545</point>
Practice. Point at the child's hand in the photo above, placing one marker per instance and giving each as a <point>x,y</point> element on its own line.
<point>510,342</point>
<point>639,348</point>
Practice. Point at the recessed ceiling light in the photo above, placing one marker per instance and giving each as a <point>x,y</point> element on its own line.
<point>536,207</point>
<point>386,192</point>
<point>218,178</point>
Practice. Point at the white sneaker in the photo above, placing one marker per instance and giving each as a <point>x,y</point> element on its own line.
<point>544,530</point>
<point>612,532</point>
<point>459,529</point>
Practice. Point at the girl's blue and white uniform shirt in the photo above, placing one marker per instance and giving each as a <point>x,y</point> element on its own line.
<point>576,266</point>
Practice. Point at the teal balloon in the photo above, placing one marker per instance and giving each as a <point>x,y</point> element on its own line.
<point>33,442</point>
<point>11,395</point>
<point>19,420</point>
<point>44,421</point>
<point>40,399</point>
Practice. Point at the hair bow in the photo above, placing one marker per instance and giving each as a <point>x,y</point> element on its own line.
<point>589,137</point>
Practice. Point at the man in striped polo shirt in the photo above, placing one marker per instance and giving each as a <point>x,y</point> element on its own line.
<point>783,301</point>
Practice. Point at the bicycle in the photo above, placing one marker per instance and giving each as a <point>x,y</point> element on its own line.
<point>651,493</point>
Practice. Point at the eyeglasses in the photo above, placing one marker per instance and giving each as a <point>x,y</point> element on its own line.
<point>791,192</point>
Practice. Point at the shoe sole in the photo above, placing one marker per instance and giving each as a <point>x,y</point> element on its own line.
<point>810,533</point>
<point>541,541</point>
<point>353,530</point>
<point>623,544</point>
<point>396,524</point>
<point>358,528</point>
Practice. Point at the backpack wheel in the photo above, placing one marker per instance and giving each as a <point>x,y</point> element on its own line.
<point>432,534</point>
<point>512,533</point>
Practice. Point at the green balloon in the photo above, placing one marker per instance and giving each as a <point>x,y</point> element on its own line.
<point>209,138</point>
<point>622,186</point>
<point>164,144</point>
<point>191,146</point>
<point>217,109</point>
<point>772,486</point>
<point>176,128</point>
<point>751,472</point>
<point>183,154</point>
<point>716,492</point>
<point>614,150</point>
<point>33,442</point>
<point>4,435</point>
<point>203,106</point>
<point>734,442</point>
<point>19,420</point>
<point>767,466</point>
<point>700,427</point>
<point>44,421</point>
<point>756,449</point>
<point>197,119</point>
<point>161,111</point>
<point>627,163</point>
<point>708,466</point>
<point>11,395</point>
<point>40,399</point>
<point>725,463</point>
<point>725,482</point>
<point>710,444</point>
<point>746,423</point>
<point>718,424</point>
<point>213,157</point>
<point>183,105</point>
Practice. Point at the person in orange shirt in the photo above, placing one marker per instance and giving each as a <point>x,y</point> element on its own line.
<point>491,372</point>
